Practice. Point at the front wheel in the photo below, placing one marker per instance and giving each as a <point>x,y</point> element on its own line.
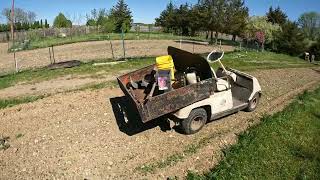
<point>195,122</point>
<point>253,103</point>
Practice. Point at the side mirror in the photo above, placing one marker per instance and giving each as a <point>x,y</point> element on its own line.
<point>215,56</point>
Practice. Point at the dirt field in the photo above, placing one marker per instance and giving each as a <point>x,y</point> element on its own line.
<point>76,135</point>
<point>54,86</point>
<point>85,51</point>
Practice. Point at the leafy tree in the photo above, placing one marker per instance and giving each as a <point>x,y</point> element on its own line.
<point>182,19</point>
<point>46,25</point>
<point>96,17</point>
<point>259,26</point>
<point>315,50</point>
<point>213,13</point>
<point>25,26</point>
<point>290,40</point>
<point>237,14</point>
<point>195,19</point>
<point>167,18</point>
<point>102,13</point>
<point>122,16</point>
<point>310,24</point>
<point>61,21</point>
<point>276,16</point>
<point>108,24</point>
<point>91,22</point>
<point>41,24</point>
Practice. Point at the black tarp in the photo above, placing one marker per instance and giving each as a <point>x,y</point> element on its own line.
<point>184,60</point>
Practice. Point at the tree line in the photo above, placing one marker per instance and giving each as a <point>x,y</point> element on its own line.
<point>24,20</point>
<point>211,16</point>
<point>117,19</point>
<point>273,31</point>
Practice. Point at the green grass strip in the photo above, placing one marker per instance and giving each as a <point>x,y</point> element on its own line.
<point>285,145</point>
<point>5,103</point>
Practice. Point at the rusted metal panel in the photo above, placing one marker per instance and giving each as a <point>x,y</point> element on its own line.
<point>171,101</point>
<point>176,99</point>
<point>136,75</point>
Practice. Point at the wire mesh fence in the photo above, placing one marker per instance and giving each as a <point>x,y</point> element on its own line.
<point>135,45</point>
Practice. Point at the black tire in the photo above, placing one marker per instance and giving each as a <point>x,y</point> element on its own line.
<point>253,103</point>
<point>195,122</point>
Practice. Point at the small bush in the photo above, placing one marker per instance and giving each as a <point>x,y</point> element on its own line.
<point>315,50</point>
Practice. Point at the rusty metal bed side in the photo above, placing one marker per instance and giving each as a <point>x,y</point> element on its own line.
<point>176,99</point>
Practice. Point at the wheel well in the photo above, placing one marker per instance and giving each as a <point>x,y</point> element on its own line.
<point>208,110</point>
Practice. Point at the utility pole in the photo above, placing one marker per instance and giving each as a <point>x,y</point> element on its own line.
<point>12,36</point>
<point>12,21</point>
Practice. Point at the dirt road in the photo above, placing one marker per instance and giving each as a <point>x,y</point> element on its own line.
<point>76,135</point>
<point>86,51</point>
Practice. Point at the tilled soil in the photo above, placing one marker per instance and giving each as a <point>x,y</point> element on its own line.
<point>85,51</point>
<point>76,135</point>
<point>58,85</point>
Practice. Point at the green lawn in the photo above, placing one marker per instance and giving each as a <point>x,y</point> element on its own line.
<point>284,146</point>
<point>238,60</point>
<point>253,60</point>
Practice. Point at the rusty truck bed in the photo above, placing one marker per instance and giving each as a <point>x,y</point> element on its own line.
<point>175,99</point>
<point>165,103</point>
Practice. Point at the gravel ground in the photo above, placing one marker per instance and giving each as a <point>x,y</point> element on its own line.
<point>76,135</point>
<point>86,51</point>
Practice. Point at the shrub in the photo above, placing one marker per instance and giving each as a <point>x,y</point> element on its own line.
<point>290,40</point>
<point>61,21</point>
<point>315,49</point>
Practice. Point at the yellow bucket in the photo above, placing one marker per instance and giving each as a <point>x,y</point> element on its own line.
<point>165,63</point>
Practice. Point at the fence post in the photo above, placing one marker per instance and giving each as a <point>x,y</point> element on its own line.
<point>50,55</point>
<point>54,59</point>
<point>193,46</point>
<point>123,47</point>
<point>15,61</point>
<point>111,47</point>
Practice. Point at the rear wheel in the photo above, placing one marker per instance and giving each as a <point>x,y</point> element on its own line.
<point>195,122</point>
<point>253,103</point>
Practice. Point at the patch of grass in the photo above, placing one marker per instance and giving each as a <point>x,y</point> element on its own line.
<point>109,84</point>
<point>4,103</point>
<point>284,146</point>
<point>19,136</point>
<point>253,60</point>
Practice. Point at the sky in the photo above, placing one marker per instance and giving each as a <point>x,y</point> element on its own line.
<point>145,11</point>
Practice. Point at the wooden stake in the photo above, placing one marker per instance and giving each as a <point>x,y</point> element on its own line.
<point>50,55</point>
<point>111,49</point>
<point>193,47</point>
<point>54,59</point>
<point>123,46</point>
<point>12,21</point>
<point>16,62</point>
